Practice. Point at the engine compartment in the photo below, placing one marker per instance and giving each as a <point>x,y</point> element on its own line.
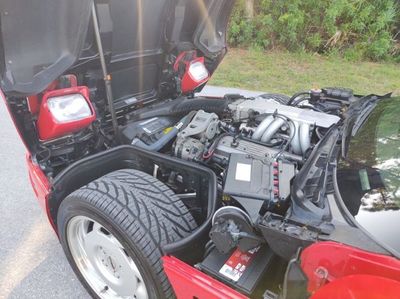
<point>255,147</point>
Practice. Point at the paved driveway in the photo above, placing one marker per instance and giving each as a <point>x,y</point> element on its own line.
<point>32,263</point>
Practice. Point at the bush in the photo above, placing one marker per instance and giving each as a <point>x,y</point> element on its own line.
<point>356,29</point>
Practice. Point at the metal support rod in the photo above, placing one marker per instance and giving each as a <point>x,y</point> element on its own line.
<point>106,75</point>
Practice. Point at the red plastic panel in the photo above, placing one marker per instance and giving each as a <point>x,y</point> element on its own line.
<point>360,287</point>
<point>49,128</point>
<point>189,283</point>
<point>325,262</point>
<point>188,83</point>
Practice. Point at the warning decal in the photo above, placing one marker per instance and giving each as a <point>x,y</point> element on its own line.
<point>239,261</point>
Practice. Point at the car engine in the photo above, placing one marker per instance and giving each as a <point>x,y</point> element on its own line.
<point>255,146</point>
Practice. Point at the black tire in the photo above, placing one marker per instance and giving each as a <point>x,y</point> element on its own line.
<point>280,98</point>
<point>141,212</point>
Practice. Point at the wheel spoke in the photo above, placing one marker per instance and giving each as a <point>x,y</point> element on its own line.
<point>141,292</point>
<point>94,239</point>
<point>135,270</point>
<point>96,226</point>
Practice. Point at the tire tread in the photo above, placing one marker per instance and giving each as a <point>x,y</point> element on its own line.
<point>146,209</point>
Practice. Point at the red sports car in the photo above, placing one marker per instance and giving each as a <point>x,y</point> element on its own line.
<point>155,192</point>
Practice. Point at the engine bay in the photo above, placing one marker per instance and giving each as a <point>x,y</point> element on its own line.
<point>256,147</point>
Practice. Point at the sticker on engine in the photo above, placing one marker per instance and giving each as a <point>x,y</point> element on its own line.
<point>148,121</point>
<point>237,264</point>
<point>243,172</point>
<point>131,101</point>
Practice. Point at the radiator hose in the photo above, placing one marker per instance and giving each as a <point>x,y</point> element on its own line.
<point>182,106</point>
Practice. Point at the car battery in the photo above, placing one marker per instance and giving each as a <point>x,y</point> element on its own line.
<point>243,271</point>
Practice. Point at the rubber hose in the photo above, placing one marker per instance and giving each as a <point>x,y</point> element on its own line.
<point>182,106</point>
<point>295,96</point>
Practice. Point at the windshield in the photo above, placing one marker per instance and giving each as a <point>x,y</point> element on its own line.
<point>369,176</point>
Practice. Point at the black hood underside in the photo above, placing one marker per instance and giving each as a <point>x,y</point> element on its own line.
<point>43,39</point>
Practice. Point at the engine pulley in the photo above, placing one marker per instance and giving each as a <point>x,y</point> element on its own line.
<point>232,227</point>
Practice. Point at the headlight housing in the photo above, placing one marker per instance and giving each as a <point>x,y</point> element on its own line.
<point>69,108</point>
<point>64,111</point>
<point>191,70</point>
<point>198,71</point>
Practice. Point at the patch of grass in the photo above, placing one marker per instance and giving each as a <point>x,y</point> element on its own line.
<point>288,73</point>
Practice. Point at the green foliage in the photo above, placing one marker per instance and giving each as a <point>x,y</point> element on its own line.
<point>356,29</point>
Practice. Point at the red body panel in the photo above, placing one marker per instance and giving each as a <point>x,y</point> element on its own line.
<point>39,182</point>
<point>327,262</point>
<point>41,186</point>
<point>49,128</point>
<point>189,283</point>
<point>360,287</point>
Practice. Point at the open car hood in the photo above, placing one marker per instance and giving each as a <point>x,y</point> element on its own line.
<point>42,39</point>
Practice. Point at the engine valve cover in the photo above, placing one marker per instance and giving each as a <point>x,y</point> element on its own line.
<point>242,107</point>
